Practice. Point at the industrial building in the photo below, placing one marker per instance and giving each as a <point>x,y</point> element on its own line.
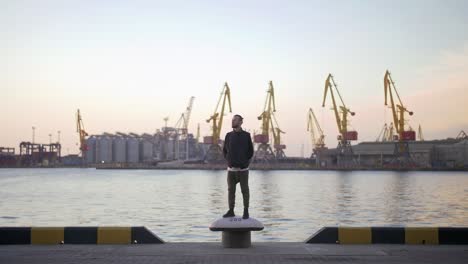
<point>145,148</point>
<point>34,154</point>
<point>433,154</point>
<point>7,157</point>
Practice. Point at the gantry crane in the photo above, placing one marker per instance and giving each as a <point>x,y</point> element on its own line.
<point>420,134</point>
<point>401,152</point>
<point>398,110</point>
<point>386,134</point>
<point>382,135</point>
<point>82,134</point>
<point>181,126</point>
<point>345,152</point>
<point>183,122</point>
<point>264,151</point>
<point>316,135</point>
<point>214,152</point>
<point>181,129</point>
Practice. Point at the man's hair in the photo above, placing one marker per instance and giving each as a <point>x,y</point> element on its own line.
<point>241,118</point>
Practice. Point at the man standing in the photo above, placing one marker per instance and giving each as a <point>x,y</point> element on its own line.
<point>238,152</point>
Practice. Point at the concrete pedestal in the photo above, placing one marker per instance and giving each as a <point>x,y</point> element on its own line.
<point>236,239</point>
<point>236,232</point>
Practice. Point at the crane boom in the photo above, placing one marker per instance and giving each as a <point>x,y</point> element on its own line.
<point>316,132</point>
<point>81,132</point>
<point>218,115</point>
<point>183,121</point>
<point>268,108</point>
<point>398,109</point>
<point>382,134</point>
<point>188,113</point>
<point>386,134</point>
<point>420,134</point>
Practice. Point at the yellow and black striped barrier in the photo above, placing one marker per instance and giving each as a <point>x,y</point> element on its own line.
<point>78,235</point>
<point>391,235</point>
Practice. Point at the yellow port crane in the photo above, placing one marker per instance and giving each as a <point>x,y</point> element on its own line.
<point>214,151</point>
<point>183,122</point>
<point>269,124</point>
<point>316,132</point>
<point>341,115</point>
<point>345,155</point>
<point>403,136</point>
<point>181,130</point>
<point>268,109</point>
<point>398,110</point>
<point>82,133</point>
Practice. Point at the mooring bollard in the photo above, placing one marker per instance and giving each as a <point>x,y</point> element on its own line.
<point>236,231</point>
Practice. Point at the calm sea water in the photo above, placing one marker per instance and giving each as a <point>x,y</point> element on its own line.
<point>179,205</point>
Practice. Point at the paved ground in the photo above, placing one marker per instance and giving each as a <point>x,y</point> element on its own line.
<point>213,253</point>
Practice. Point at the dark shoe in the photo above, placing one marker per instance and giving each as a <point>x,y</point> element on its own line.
<point>229,213</point>
<point>246,213</point>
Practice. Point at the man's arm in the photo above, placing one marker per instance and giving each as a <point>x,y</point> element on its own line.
<point>226,138</point>
<point>250,150</point>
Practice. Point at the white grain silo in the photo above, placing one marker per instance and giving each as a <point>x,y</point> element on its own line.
<point>133,150</point>
<point>119,149</point>
<point>103,149</point>
<point>146,150</point>
<point>90,154</point>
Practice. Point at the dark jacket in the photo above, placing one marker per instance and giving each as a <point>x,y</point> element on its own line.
<point>238,148</point>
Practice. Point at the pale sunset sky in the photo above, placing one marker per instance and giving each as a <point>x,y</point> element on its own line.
<point>128,64</point>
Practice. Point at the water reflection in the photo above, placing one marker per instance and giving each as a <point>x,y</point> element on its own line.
<point>344,198</point>
<point>396,198</point>
<point>179,205</point>
<point>269,208</point>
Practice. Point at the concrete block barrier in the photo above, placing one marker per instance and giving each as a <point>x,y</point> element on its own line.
<point>78,235</point>
<point>391,235</point>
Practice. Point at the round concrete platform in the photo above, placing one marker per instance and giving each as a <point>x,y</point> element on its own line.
<point>236,232</point>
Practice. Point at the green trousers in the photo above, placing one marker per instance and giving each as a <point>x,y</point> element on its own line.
<point>233,178</point>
